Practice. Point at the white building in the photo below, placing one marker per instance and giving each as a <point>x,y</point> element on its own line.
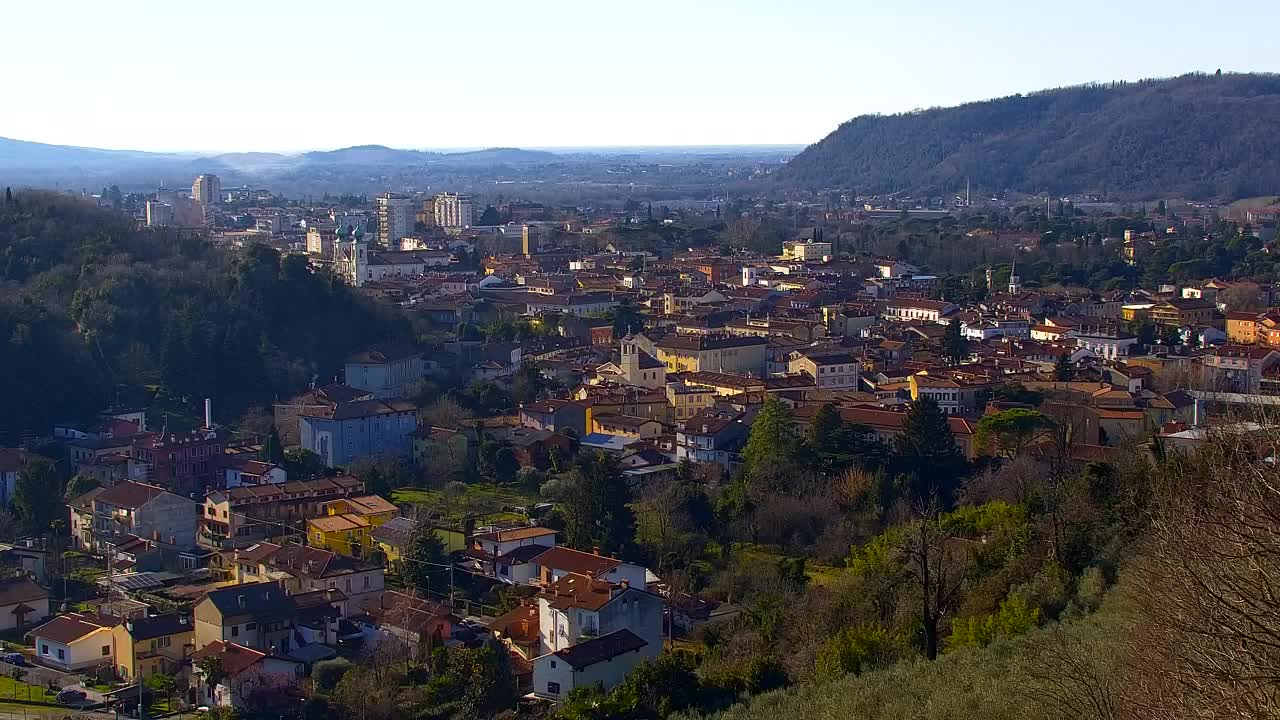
<point>807,251</point>
<point>927,310</point>
<point>603,661</point>
<point>453,210</point>
<point>395,219</point>
<point>1110,346</point>
<point>400,263</point>
<point>385,373</point>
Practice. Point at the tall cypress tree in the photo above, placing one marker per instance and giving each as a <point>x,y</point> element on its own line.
<point>927,460</point>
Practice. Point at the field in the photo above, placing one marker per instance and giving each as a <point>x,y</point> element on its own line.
<point>11,689</point>
<point>486,502</point>
<point>763,554</point>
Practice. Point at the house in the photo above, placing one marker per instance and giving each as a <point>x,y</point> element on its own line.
<point>235,471</point>
<point>715,353</point>
<point>713,436</point>
<point>147,646</point>
<point>1180,312</point>
<point>593,631</point>
<point>598,662</point>
<point>628,426</point>
<point>540,449</point>
<point>1237,368</point>
<point>557,562</point>
<point>1109,345</point>
<point>441,449</point>
<point>636,367</point>
<point>302,569</point>
<point>250,678</point>
<point>348,431</point>
<point>239,517</point>
<point>392,537</point>
<point>22,602</point>
<point>385,373</point>
<point>688,399</point>
<point>131,509</point>
<point>420,624</point>
<point>347,522</point>
<point>74,642</point>
<point>509,555</point>
<point>831,371</point>
<point>184,462</point>
<point>1242,327</point>
<point>932,311</point>
<point>256,615</point>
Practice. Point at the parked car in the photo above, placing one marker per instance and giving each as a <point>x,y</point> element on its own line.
<point>14,658</point>
<point>72,697</point>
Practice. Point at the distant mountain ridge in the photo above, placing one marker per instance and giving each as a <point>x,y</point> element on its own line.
<point>24,155</point>
<point>1194,135</point>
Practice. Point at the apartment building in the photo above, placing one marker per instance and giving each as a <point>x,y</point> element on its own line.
<point>242,516</point>
<point>453,210</point>
<point>395,219</point>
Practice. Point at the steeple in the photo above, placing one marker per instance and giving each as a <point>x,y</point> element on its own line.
<point>1015,283</point>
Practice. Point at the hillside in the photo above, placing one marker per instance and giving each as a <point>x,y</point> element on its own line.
<point>1195,136</point>
<point>92,305</point>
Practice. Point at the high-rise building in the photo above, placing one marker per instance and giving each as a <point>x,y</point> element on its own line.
<point>207,190</point>
<point>395,219</point>
<point>159,214</point>
<point>453,210</point>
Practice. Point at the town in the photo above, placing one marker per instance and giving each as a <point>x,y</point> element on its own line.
<point>610,434</point>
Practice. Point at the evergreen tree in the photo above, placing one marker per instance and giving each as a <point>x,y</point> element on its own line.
<point>272,448</point>
<point>926,456</point>
<point>595,501</point>
<point>424,557</point>
<point>1062,370</point>
<point>37,495</point>
<point>953,345</point>
<point>772,444</point>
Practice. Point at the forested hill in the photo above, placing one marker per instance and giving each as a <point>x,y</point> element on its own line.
<point>1196,136</point>
<point>92,308</point>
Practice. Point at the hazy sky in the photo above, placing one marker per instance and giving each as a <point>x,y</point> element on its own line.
<point>285,76</point>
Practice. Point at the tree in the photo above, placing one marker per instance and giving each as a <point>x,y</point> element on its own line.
<point>926,453</point>
<point>771,445</point>
<point>424,556</point>
<point>163,684</point>
<point>595,501</point>
<point>272,448</point>
<point>627,320</point>
<point>527,384</point>
<point>824,427</point>
<point>1010,432</point>
<point>79,485</point>
<point>953,344</point>
<point>37,495</point>
<point>1062,369</point>
<point>301,464</point>
<point>856,650</point>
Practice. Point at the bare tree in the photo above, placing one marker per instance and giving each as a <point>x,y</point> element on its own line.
<point>1208,585</point>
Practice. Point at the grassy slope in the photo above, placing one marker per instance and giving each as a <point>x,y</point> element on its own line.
<point>992,683</point>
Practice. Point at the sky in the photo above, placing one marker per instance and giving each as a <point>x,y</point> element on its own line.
<point>293,75</point>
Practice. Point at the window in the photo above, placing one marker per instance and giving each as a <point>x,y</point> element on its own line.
<point>366,582</point>
<point>62,655</point>
<point>44,649</point>
<point>106,650</point>
<point>553,664</point>
<point>235,631</point>
<point>249,627</point>
<point>553,688</point>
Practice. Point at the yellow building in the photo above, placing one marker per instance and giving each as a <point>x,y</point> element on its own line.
<point>393,537</point>
<point>1242,328</point>
<point>688,400</point>
<point>346,526</point>
<point>713,353</point>
<point>148,646</point>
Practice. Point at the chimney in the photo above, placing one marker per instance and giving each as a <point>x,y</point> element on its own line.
<point>208,413</point>
<point>128,625</point>
<point>182,619</point>
<point>595,550</point>
<point>240,601</point>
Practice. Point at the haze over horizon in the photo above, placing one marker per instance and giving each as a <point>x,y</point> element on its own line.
<point>295,77</point>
